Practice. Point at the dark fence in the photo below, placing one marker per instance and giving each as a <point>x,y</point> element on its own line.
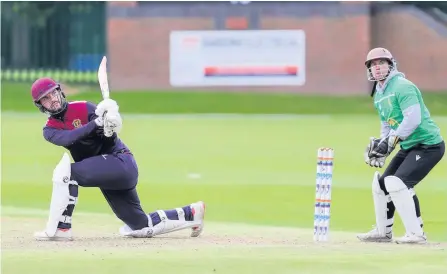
<point>65,40</point>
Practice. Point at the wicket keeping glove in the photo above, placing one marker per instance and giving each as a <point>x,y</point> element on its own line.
<point>373,161</point>
<point>383,147</point>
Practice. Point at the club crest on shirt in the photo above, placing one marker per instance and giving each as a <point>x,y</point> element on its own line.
<point>392,122</point>
<point>77,123</point>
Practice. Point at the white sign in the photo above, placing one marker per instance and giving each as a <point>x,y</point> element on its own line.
<point>237,58</point>
<point>240,2</point>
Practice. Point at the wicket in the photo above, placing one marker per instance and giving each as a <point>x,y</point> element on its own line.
<point>323,194</point>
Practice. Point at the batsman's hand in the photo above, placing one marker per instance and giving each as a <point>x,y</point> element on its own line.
<point>373,161</point>
<point>106,105</point>
<point>383,147</point>
<point>113,123</point>
<point>99,121</point>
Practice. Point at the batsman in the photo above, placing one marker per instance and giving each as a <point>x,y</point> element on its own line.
<point>405,121</point>
<point>101,160</point>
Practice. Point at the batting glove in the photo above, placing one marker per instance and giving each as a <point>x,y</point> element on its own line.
<point>113,123</point>
<point>106,105</point>
<point>99,121</point>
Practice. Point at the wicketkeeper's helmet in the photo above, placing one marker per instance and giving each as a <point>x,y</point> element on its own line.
<point>376,54</point>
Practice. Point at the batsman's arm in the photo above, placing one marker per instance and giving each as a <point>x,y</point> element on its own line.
<point>411,111</point>
<point>62,137</point>
<point>91,107</point>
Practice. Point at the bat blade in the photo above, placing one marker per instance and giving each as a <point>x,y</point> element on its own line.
<point>102,78</point>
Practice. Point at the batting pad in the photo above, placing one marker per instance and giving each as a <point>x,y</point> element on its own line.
<point>380,205</point>
<point>165,226</point>
<point>60,197</point>
<point>402,198</point>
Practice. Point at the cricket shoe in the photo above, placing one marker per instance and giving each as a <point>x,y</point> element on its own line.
<point>412,239</point>
<point>198,212</point>
<point>375,236</point>
<point>62,234</point>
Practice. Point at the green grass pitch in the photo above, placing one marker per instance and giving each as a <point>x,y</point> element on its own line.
<point>257,177</point>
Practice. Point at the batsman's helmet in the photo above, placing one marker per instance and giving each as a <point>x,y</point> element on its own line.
<point>376,54</point>
<point>43,86</point>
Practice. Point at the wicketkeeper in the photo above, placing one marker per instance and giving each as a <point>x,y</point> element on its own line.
<point>101,160</point>
<point>405,120</point>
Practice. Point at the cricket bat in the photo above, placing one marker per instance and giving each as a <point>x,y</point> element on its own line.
<point>102,78</point>
<point>104,85</point>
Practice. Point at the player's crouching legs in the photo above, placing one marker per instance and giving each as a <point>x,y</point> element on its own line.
<point>382,231</point>
<point>404,202</point>
<point>63,202</point>
<point>167,221</point>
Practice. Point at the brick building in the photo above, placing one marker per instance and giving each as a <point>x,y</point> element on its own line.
<point>338,37</point>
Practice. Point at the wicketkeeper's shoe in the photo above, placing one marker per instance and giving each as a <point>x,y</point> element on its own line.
<point>198,211</point>
<point>412,239</point>
<point>375,236</point>
<point>62,234</point>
